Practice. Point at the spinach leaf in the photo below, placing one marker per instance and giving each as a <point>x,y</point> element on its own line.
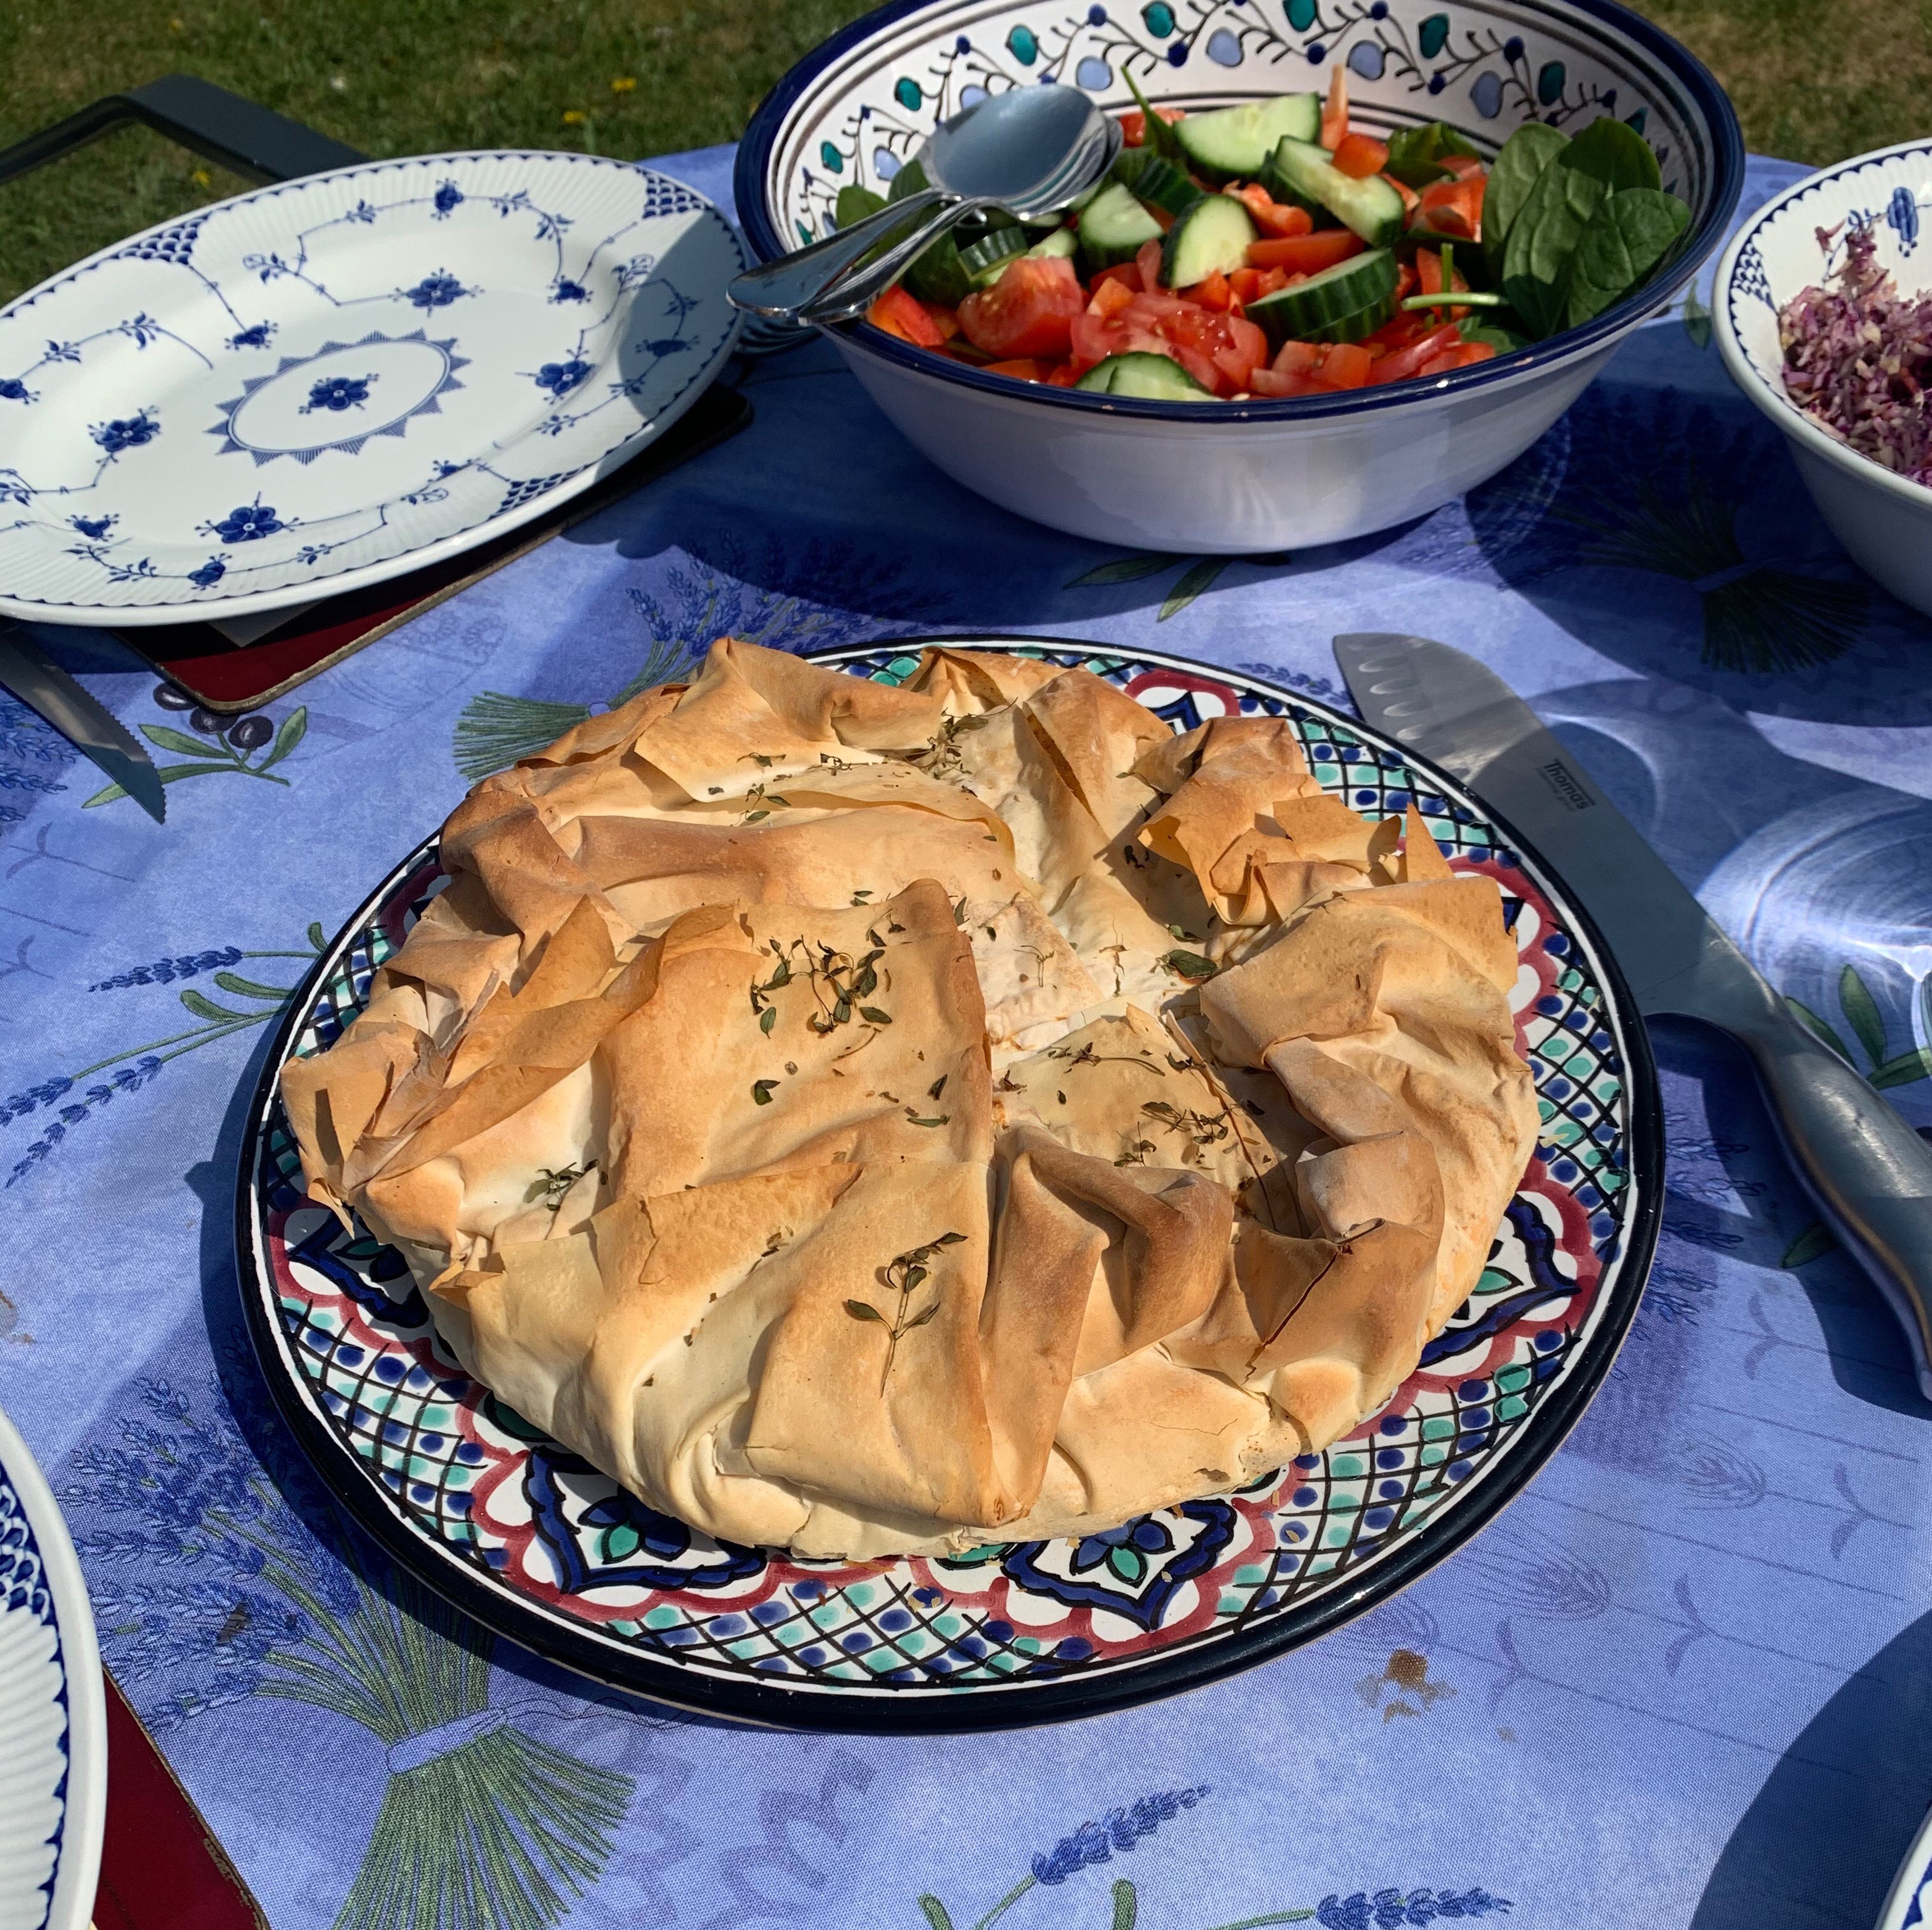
<point>1618,156</point>
<point>1620,248</point>
<point>1526,156</point>
<point>1415,154</point>
<point>855,203</point>
<point>1486,328</point>
<point>909,180</point>
<point>1536,259</point>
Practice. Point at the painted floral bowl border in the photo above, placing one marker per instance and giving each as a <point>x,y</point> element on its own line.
<point>561,311</point>
<point>53,1710</point>
<point>857,106</point>
<point>540,1547</point>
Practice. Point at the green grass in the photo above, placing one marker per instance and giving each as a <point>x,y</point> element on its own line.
<point>388,77</point>
<point>410,76</point>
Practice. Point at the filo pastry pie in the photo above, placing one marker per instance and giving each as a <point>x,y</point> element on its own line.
<point>866,1120</point>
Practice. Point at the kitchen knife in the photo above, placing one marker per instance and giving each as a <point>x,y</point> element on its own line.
<point>80,719</point>
<point>1870,1174</point>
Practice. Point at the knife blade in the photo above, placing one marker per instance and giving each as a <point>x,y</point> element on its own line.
<point>1868,1173</point>
<point>82,720</point>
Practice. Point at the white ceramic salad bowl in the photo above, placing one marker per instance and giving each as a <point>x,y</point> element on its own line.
<point>1884,521</point>
<point>1235,478</point>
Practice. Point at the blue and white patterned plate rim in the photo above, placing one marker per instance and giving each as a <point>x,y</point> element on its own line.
<point>40,1575</point>
<point>582,1646</point>
<point>1908,1903</point>
<point>1741,279</point>
<point>522,505</point>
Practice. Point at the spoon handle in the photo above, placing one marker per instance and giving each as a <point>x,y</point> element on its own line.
<point>780,288</point>
<point>856,291</point>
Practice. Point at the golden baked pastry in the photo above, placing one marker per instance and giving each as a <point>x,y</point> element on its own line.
<point>810,1101</point>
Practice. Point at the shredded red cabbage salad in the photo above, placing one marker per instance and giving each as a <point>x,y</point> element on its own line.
<point>1857,359</point>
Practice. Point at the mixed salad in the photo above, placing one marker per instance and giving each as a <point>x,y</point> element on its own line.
<point>1271,249</point>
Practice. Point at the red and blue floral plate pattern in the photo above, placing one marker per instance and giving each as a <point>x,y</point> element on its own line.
<point>538,1544</point>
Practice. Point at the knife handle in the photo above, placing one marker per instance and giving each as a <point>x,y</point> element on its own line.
<point>1868,1172</point>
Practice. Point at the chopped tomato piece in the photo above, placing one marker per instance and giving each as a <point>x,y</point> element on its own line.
<point>945,320</point>
<point>1454,206</point>
<point>1063,375</point>
<point>1111,296</point>
<point>1133,124</point>
<point>1463,355</point>
<point>1297,358</point>
<point>1245,285</point>
<point>1029,311</point>
<point>1398,332</point>
<point>1125,272</point>
<point>1358,156</point>
<point>1148,262</point>
<point>1213,293</point>
<point>1405,281</point>
<point>1400,364</point>
<point>1465,167</point>
<point>1275,279</point>
<point>1203,368</point>
<point>1335,110</point>
<point>902,314</point>
<point>1347,365</point>
<point>1429,270</point>
<point>1022,368</point>
<point>1274,382</point>
<point>1270,216</point>
<point>1410,200</point>
<point>1306,254</point>
<point>1474,353</point>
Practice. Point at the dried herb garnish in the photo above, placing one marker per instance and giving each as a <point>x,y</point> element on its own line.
<point>903,1275</point>
<point>556,1182</point>
<point>1188,965</point>
<point>941,756</point>
<point>762,1090</point>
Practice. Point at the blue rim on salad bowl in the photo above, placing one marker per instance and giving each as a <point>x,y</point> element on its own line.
<point>1231,477</point>
<point>1884,520</point>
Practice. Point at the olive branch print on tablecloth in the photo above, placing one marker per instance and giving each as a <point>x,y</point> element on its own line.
<point>1882,1067</point>
<point>1567,503</point>
<point>1201,575</point>
<point>207,1589</point>
<point>830,596</point>
<point>220,743</point>
<point>1123,1829</point>
<point>128,1071</point>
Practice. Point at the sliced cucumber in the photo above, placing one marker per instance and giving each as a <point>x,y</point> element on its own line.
<point>1371,208</point>
<point>1115,227</point>
<point>1152,378</point>
<point>1342,304</point>
<point>1063,242</point>
<point>1159,184</point>
<point>985,260</point>
<point>1232,143</point>
<point>1283,190</point>
<point>1213,235</point>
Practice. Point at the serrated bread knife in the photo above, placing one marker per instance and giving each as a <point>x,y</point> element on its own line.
<point>86,723</point>
<point>1869,1173</point>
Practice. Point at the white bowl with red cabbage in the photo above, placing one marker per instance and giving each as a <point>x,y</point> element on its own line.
<point>1823,302</point>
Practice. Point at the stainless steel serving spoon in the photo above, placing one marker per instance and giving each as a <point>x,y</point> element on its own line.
<point>1031,152</point>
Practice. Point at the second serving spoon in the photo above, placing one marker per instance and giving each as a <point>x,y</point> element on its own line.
<point>1031,152</point>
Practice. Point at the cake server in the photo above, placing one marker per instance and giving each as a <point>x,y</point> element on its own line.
<point>1869,1173</point>
<point>85,724</point>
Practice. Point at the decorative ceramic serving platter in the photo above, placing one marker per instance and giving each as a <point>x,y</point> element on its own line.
<point>53,1715</point>
<point>538,1545</point>
<point>320,384</point>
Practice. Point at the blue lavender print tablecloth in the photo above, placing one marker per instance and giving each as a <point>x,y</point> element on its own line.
<point>1683,1681</point>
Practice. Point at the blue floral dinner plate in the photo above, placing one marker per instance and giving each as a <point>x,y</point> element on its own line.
<point>323,384</point>
<point>536,1544</point>
<point>53,1713</point>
